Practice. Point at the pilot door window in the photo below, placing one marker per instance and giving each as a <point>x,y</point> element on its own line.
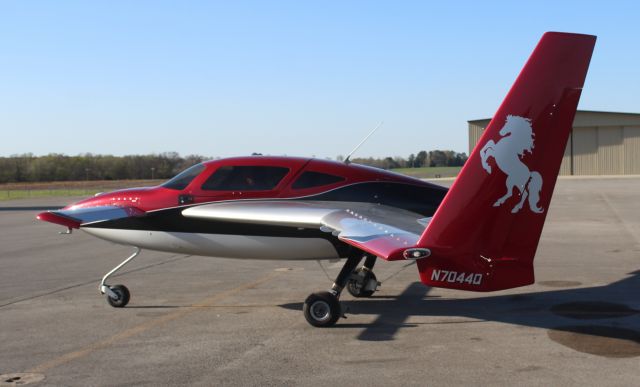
<point>245,178</point>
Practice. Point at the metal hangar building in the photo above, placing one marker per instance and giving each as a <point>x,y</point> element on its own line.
<point>601,143</point>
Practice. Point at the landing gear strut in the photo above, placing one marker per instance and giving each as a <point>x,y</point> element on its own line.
<point>117,295</point>
<point>363,283</point>
<point>322,309</point>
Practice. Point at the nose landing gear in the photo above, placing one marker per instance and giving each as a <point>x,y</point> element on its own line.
<point>117,295</point>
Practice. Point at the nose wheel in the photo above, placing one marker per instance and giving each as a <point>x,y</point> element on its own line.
<point>122,296</point>
<point>118,296</point>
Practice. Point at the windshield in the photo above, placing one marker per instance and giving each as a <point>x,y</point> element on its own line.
<point>182,180</point>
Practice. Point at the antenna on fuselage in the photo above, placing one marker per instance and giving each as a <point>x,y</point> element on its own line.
<point>346,161</point>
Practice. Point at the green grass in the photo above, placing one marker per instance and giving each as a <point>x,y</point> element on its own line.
<point>43,193</point>
<point>13,191</point>
<point>429,172</point>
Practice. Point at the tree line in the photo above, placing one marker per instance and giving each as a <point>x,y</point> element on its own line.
<point>59,167</point>
<point>435,158</point>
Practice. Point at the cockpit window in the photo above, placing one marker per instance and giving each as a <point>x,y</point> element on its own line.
<point>182,180</point>
<point>245,178</point>
<point>312,179</point>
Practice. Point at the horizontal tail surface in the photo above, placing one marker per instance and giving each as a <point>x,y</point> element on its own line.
<point>485,233</point>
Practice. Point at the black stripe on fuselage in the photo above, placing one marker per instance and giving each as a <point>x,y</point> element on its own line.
<point>421,199</point>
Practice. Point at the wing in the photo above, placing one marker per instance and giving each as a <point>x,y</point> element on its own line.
<point>75,218</point>
<point>377,229</point>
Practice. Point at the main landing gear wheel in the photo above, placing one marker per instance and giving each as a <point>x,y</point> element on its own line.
<point>122,294</point>
<point>322,309</point>
<point>363,283</point>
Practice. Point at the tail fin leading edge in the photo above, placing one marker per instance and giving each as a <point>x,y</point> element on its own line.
<point>484,235</point>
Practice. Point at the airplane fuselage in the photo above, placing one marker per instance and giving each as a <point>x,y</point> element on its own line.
<point>164,228</point>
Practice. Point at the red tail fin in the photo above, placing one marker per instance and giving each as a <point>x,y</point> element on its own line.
<point>485,233</point>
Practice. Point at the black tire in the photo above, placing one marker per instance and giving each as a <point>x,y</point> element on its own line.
<point>356,286</point>
<point>123,296</point>
<point>322,309</point>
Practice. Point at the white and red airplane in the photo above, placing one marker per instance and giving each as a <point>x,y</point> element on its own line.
<point>479,235</point>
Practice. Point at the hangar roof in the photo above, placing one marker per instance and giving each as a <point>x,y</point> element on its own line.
<point>590,118</point>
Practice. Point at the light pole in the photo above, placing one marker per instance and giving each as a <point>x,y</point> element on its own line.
<point>153,169</point>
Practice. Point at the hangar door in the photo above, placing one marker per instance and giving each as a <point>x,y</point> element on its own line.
<point>611,151</point>
<point>598,151</point>
<point>585,150</point>
<point>632,150</point>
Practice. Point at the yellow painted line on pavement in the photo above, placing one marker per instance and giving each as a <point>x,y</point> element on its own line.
<point>147,325</point>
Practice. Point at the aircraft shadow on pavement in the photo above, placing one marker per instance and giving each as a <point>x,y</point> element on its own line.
<point>573,311</point>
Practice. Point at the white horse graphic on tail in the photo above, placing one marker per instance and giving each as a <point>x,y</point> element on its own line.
<point>517,139</point>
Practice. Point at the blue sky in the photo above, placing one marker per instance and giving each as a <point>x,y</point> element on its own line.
<point>284,77</point>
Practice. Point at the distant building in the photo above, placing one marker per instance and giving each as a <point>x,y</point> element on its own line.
<point>601,143</point>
